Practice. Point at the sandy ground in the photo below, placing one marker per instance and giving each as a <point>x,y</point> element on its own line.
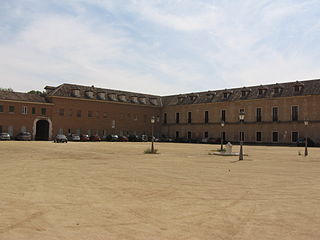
<point>114,191</point>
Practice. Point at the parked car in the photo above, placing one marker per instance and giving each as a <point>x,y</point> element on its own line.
<point>123,139</point>
<point>134,138</point>
<point>95,138</point>
<point>24,136</point>
<point>144,138</point>
<point>4,136</point>
<point>301,142</point>
<point>214,140</point>
<point>60,138</point>
<point>84,138</point>
<point>166,139</point>
<point>111,138</point>
<point>74,137</point>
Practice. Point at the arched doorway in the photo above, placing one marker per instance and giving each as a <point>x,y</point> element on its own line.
<point>42,130</point>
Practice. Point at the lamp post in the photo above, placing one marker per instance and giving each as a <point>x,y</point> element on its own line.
<point>241,118</point>
<point>306,123</point>
<point>153,120</point>
<point>222,125</point>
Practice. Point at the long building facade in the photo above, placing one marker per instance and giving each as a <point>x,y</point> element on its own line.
<point>274,113</point>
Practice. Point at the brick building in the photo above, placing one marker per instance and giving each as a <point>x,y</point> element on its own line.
<point>273,113</point>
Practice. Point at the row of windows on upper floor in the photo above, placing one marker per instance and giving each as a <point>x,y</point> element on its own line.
<point>24,110</point>
<point>223,115</point>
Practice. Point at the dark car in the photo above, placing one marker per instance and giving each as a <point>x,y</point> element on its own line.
<point>134,138</point>
<point>112,138</point>
<point>123,139</point>
<point>60,138</point>
<point>301,142</point>
<point>24,136</point>
<point>84,138</point>
<point>95,138</point>
<point>214,140</point>
<point>74,138</point>
<point>4,136</point>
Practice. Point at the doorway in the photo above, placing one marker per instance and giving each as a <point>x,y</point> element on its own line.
<point>42,130</point>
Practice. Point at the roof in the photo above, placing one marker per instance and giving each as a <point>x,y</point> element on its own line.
<point>25,97</point>
<point>67,90</point>
<point>307,87</point>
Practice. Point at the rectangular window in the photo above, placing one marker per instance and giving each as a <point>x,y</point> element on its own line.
<point>1,108</point>
<point>165,118</point>
<point>189,135</point>
<point>223,115</point>
<point>105,115</point>
<point>11,109</point>
<point>258,137</point>
<point>206,117</point>
<point>79,113</point>
<point>33,110</point>
<point>241,136</point>
<point>275,114</point>
<point>177,117</point>
<point>24,110</point>
<point>43,111</point>
<point>189,117</point>
<point>206,134</point>
<point>258,114</point>
<point>61,112</point>
<point>89,113</point>
<point>177,134</point>
<point>275,137</point>
<point>294,113</point>
<point>294,137</point>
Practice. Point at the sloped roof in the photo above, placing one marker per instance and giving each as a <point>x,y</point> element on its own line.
<point>25,97</point>
<point>308,87</point>
<point>66,90</point>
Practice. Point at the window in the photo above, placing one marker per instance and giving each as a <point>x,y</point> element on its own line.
<point>206,117</point>
<point>276,90</point>
<point>1,108</point>
<point>177,134</point>
<point>165,118</point>
<point>89,113</point>
<point>258,114</point>
<point>11,109</point>
<point>33,110</point>
<point>243,93</point>
<point>241,111</point>
<point>260,91</point>
<point>189,135</point>
<point>43,111</point>
<point>294,113</point>
<point>223,115</point>
<point>275,114</point>
<point>296,88</point>
<point>241,136</point>
<point>258,136</point>
<point>294,137</point>
<point>105,115</point>
<point>206,134</point>
<point>189,117</point>
<point>79,113</point>
<point>275,137</point>
<point>177,117</point>
<point>24,110</point>
<point>225,95</point>
<point>61,112</point>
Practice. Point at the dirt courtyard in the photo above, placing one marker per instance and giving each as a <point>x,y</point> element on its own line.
<point>94,191</point>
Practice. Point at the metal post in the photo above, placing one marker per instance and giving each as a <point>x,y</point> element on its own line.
<point>306,139</point>
<point>152,144</point>
<point>221,148</point>
<point>241,142</point>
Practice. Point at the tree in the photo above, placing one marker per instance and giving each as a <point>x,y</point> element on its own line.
<point>6,89</point>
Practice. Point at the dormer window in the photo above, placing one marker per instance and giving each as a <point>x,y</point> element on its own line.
<point>181,98</point>
<point>211,95</point>
<point>192,97</point>
<point>122,97</point>
<point>276,90</point>
<point>76,92</point>
<point>134,99</point>
<point>154,101</point>
<point>112,96</point>
<point>102,95</point>
<point>298,87</point>
<point>89,94</point>
<point>142,100</point>
<point>226,94</point>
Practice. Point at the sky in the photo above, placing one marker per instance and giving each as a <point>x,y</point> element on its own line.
<point>158,47</point>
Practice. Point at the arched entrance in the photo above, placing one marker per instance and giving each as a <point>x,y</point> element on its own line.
<point>42,130</point>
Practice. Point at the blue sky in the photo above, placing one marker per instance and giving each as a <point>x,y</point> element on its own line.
<point>158,46</point>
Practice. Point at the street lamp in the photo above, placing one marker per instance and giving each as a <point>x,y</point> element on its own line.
<point>153,120</point>
<point>306,123</point>
<point>222,125</point>
<point>241,118</point>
